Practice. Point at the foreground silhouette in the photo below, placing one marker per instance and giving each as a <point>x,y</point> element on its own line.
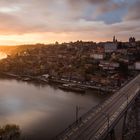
<point>10,132</point>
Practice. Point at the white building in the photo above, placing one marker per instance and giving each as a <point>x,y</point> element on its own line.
<point>97,56</point>
<point>106,65</point>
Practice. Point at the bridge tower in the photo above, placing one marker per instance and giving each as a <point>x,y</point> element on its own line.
<point>138,118</point>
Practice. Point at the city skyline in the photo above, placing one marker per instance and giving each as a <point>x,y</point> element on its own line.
<point>44,21</point>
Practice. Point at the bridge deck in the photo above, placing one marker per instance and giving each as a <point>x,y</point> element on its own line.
<point>97,122</point>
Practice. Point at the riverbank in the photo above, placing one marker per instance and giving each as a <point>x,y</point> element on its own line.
<point>62,83</point>
<point>67,85</point>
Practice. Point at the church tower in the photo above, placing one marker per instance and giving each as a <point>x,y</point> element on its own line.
<point>114,39</point>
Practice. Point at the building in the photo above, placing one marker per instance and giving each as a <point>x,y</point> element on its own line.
<point>131,40</point>
<point>106,65</point>
<point>110,47</point>
<point>114,39</point>
<point>97,56</point>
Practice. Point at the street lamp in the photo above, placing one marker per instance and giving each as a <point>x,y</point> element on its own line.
<point>127,98</point>
<point>126,95</point>
<point>108,118</point>
<point>78,108</point>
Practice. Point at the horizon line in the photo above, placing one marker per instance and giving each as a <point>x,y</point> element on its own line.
<point>52,43</point>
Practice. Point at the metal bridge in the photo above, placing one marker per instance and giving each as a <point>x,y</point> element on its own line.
<point>99,123</point>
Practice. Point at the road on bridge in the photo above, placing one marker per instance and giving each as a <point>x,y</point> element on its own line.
<point>98,121</point>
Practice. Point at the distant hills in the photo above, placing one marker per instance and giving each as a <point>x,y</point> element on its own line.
<point>11,50</point>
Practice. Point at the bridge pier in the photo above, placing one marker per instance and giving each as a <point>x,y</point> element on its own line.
<point>112,135</point>
<point>124,126</point>
<point>138,118</point>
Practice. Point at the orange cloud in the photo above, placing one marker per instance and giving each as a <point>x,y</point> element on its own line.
<point>45,21</point>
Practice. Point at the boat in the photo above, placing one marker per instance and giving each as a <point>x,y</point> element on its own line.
<point>72,87</point>
<point>26,79</point>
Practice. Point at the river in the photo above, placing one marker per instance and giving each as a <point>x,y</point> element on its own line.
<point>41,111</point>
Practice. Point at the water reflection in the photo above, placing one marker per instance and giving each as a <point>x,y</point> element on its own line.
<point>41,110</point>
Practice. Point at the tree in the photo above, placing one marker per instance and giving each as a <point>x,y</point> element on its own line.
<point>10,132</point>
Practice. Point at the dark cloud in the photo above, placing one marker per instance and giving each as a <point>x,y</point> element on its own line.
<point>69,17</point>
<point>84,3</point>
<point>88,1</point>
<point>98,1</point>
<point>99,7</point>
<point>133,12</point>
<point>108,7</point>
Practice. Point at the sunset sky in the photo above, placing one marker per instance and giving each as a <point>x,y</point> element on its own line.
<point>47,21</point>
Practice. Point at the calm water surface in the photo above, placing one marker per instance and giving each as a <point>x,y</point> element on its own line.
<point>41,111</point>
